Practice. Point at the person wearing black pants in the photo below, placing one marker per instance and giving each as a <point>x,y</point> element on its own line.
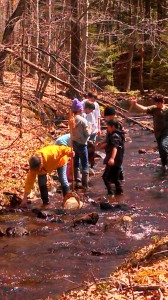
<point>114,149</point>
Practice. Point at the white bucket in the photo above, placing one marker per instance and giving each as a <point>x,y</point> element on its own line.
<point>72,201</point>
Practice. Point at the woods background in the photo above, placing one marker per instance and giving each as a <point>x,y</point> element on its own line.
<point>101,44</point>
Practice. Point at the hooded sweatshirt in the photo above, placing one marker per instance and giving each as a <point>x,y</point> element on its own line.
<point>54,157</point>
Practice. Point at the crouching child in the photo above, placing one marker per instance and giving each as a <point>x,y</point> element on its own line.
<point>114,149</point>
<point>44,161</point>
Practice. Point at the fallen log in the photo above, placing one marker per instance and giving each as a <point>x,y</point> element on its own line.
<point>37,68</point>
<point>120,111</point>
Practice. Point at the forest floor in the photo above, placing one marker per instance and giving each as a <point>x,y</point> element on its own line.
<point>145,275</point>
<point>16,150</point>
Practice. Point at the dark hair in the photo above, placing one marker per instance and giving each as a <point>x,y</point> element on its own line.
<point>158,98</point>
<point>89,105</point>
<point>35,161</point>
<point>109,111</point>
<point>90,95</point>
<point>111,123</point>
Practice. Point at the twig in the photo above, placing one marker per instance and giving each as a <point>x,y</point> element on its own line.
<point>161,252</point>
<point>146,288</point>
<point>9,146</point>
<point>161,295</point>
<point>94,278</point>
<point>132,290</point>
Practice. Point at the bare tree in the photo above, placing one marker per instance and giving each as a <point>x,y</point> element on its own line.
<point>15,17</point>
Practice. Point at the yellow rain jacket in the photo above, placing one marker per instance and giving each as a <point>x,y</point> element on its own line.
<point>54,157</point>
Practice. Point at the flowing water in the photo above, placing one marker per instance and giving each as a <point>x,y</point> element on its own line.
<point>57,257</point>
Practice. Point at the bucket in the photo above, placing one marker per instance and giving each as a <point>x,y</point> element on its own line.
<point>72,201</point>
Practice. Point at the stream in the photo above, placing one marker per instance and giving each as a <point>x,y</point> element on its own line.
<point>57,257</point>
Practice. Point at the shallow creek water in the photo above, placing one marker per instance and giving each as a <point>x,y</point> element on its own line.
<point>57,257</point>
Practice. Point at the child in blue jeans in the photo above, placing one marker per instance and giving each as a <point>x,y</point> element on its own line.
<point>80,134</point>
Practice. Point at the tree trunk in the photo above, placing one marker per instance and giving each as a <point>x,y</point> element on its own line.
<point>75,44</point>
<point>131,50</point>
<point>15,17</point>
<point>84,42</point>
<point>141,85</point>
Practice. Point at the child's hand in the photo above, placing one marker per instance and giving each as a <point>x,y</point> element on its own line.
<point>132,102</point>
<point>71,154</point>
<point>24,202</point>
<point>99,132</point>
<point>111,162</point>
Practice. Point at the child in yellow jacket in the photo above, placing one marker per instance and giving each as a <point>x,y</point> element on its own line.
<point>45,161</point>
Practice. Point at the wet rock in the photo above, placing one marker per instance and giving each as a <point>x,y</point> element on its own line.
<point>13,198</point>
<point>142,151</point>
<point>2,233</point>
<point>39,231</point>
<point>16,231</point>
<point>56,220</point>
<point>126,223</point>
<point>96,253</point>
<point>60,211</point>
<point>121,206</point>
<point>42,214</point>
<point>121,251</point>
<point>102,252</point>
<point>90,218</point>
<point>92,201</point>
<point>36,210</point>
<point>105,205</point>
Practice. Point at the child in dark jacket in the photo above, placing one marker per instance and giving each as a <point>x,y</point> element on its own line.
<point>114,149</point>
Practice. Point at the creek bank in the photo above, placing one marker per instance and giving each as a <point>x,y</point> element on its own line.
<point>143,276</point>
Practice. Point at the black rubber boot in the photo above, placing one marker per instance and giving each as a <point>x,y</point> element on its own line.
<point>85,179</point>
<point>77,177</point>
<point>44,194</point>
<point>65,190</point>
<point>121,175</point>
<point>119,190</point>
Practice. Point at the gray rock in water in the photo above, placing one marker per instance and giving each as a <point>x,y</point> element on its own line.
<point>60,211</point>
<point>2,233</point>
<point>105,205</point>
<point>90,218</point>
<point>42,214</point>
<point>142,151</point>
<point>16,231</point>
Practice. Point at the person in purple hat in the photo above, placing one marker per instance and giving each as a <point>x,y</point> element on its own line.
<point>80,134</point>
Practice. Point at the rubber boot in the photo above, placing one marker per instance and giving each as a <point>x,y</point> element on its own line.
<point>121,175</point>
<point>44,194</point>
<point>119,189</point>
<point>85,179</point>
<point>77,178</point>
<point>65,189</point>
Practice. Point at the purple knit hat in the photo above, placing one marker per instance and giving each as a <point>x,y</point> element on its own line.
<point>76,105</point>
